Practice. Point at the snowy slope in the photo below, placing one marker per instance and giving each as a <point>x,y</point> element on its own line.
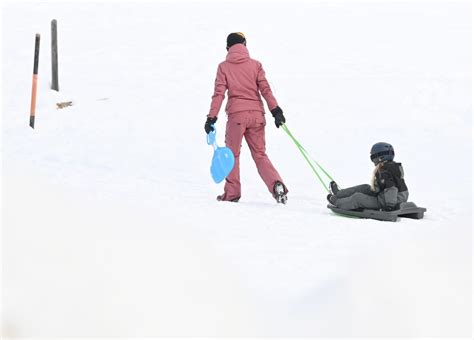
<point>109,221</point>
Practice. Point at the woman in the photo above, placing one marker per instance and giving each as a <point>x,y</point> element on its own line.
<point>244,79</point>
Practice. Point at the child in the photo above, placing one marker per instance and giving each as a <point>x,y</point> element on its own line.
<point>244,79</point>
<point>386,191</point>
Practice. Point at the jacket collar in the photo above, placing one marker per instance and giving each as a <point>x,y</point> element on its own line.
<point>238,54</point>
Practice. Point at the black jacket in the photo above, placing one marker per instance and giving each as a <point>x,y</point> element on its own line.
<point>392,189</point>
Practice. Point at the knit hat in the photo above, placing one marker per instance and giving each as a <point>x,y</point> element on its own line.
<point>235,38</point>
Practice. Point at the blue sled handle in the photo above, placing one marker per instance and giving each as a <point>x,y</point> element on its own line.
<point>211,136</point>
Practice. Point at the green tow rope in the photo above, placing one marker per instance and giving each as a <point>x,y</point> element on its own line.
<point>309,159</point>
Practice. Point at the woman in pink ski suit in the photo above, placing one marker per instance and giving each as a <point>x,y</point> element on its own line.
<point>244,79</point>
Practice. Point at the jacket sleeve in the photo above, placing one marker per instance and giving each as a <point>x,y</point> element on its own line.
<point>265,89</point>
<point>220,87</point>
<point>390,197</point>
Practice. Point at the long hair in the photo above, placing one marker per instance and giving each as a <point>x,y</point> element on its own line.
<point>373,179</point>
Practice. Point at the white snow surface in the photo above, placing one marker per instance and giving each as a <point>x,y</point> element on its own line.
<point>110,225</point>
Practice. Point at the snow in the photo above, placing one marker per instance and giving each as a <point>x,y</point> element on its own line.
<point>109,221</point>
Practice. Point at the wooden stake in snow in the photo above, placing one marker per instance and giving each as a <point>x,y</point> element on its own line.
<point>35,81</point>
<point>54,55</point>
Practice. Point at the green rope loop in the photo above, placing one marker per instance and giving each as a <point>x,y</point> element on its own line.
<point>307,157</point>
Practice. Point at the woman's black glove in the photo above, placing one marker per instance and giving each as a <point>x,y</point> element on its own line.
<point>208,126</point>
<point>277,113</point>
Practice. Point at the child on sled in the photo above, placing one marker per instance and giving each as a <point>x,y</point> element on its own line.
<point>386,191</point>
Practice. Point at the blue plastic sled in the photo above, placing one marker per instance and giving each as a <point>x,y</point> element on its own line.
<point>222,161</point>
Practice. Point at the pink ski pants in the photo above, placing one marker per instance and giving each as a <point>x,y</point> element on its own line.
<point>251,125</point>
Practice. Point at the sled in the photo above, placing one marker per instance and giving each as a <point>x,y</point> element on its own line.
<point>222,161</point>
<point>407,210</point>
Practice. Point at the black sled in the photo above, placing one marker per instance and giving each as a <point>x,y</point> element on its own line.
<point>408,210</point>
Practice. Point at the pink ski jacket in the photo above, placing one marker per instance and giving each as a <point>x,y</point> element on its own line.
<point>244,78</point>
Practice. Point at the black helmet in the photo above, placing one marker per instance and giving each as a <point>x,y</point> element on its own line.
<point>381,152</point>
<point>235,38</point>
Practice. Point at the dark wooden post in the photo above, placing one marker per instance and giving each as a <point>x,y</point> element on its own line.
<point>35,81</point>
<point>54,55</point>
